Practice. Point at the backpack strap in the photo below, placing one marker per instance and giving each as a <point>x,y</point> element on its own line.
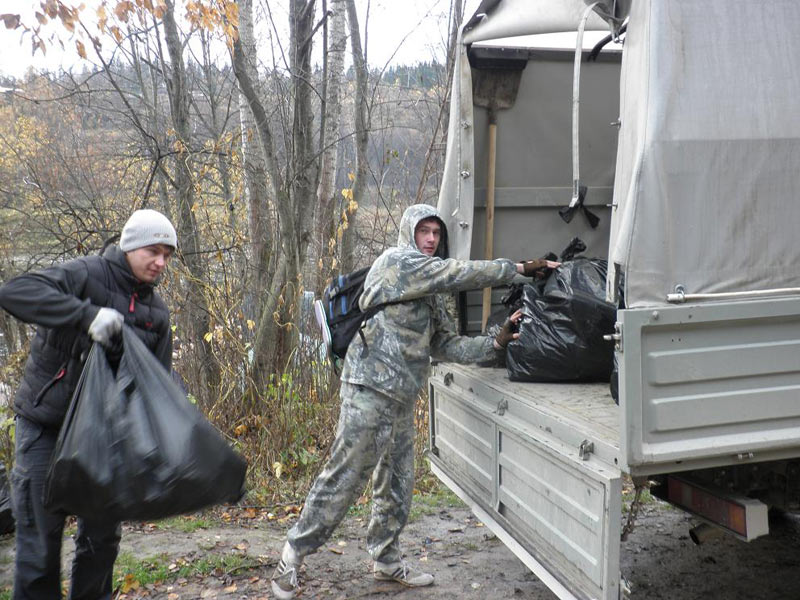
<point>364,347</point>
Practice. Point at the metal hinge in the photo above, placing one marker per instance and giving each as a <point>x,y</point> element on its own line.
<point>615,337</point>
<point>585,449</point>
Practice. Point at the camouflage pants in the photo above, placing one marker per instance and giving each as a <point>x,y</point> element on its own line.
<point>375,437</point>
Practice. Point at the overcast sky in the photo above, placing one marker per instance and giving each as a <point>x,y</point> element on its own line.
<point>401,32</point>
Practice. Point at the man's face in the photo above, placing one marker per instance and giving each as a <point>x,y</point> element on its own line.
<point>427,236</point>
<point>148,262</point>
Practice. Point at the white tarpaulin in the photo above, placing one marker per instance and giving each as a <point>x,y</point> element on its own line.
<point>708,161</point>
<point>524,17</point>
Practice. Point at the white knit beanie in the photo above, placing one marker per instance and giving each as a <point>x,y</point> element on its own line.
<point>147,227</point>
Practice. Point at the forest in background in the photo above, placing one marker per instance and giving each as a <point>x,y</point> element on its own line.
<point>277,176</point>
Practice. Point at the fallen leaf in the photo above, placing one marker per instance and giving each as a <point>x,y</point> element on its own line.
<point>230,589</point>
<point>129,583</point>
<point>335,550</point>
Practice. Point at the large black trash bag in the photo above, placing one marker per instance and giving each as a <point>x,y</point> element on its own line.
<point>133,447</point>
<point>6,515</point>
<point>561,332</point>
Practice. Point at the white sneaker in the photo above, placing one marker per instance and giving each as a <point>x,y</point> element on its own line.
<point>401,572</point>
<point>284,579</point>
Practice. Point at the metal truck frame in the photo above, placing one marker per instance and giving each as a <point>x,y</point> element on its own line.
<point>689,149</point>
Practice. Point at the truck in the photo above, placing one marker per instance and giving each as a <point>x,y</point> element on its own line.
<point>679,130</point>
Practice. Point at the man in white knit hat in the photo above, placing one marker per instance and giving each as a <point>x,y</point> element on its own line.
<point>74,303</point>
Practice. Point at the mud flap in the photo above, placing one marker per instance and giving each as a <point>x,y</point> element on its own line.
<point>558,511</point>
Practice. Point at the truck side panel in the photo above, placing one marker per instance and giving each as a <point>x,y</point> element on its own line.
<point>563,510</point>
<point>719,384</point>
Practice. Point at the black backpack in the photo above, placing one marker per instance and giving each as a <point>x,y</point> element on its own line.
<point>339,315</point>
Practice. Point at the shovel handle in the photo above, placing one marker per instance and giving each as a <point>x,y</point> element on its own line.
<point>489,247</point>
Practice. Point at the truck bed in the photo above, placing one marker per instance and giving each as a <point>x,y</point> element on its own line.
<point>571,412</point>
<point>538,462</point>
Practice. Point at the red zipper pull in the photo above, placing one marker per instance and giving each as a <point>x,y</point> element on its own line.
<point>132,305</point>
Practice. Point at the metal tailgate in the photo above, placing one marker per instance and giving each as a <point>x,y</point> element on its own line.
<point>710,384</point>
<point>557,511</point>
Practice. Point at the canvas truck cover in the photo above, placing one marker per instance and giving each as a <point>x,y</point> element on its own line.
<point>708,160</point>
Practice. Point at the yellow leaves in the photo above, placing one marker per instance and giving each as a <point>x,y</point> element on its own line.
<point>80,48</point>
<point>102,18</point>
<point>240,430</point>
<point>123,9</point>
<point>51,8</point>
<point>68,16</point>
<point>277,467</point>
<point>231,10</point>
<point>251,324</point>
<point>351,176</point>
<point>208,336</point>
<point>115,31</point>
<point>347,193</point>
<point>129,583</point>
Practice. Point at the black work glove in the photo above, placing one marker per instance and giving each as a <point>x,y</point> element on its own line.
<point>508,331</point>
<point>535,268</point>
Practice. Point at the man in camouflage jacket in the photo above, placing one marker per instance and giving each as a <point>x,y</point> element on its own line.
<point>380,384</point>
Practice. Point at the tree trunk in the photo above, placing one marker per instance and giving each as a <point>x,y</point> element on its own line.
<point>361,119</point>
<point>255,172</point>
<point>294,195</point>
<point>197,317</point>
<point>329,141</point>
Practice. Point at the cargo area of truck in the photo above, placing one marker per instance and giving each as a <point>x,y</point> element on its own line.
<point>538,463</point>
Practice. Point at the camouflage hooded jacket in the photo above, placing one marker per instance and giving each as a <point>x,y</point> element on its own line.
<point>403,337</point>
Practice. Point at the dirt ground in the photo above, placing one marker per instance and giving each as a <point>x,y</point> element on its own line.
<point>658,559</point>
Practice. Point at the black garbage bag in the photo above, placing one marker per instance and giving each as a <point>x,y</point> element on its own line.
<point>6,514</point>
<point>132,446</point>
<point>561,333</point>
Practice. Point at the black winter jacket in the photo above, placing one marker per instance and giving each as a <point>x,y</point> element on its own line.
<point>63,300</point>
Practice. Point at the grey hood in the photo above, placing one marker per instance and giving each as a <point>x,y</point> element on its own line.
<point>408,225</point>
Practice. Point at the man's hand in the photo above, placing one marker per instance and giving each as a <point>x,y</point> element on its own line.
<point>536,268</point>
<point>106,324</point>
<point>507,332</point>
